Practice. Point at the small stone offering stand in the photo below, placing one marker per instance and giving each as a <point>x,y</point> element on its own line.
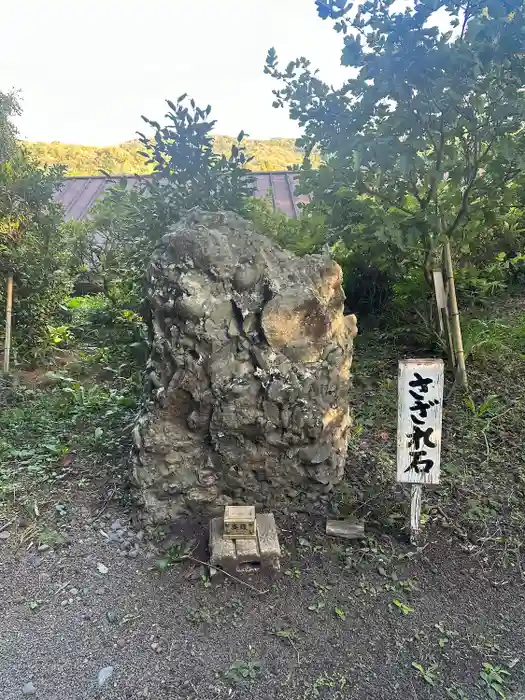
<point>243,542</point>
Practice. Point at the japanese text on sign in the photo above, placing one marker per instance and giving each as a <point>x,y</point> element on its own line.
<point>420,404</point>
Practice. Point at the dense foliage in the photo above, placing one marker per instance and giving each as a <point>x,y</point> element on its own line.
<point>9,107</point>
<point>424,141</point>
<point>125,159</point>
<point>116,244</point>
<point>33,240</point>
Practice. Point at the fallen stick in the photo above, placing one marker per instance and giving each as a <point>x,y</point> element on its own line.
<point>6,525</point>
<point>203,563</point>
<point>62,587</point>
<point>347,529</point>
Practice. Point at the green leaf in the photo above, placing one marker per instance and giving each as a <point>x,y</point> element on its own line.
<point>405,609</point>
<point>340,613</point>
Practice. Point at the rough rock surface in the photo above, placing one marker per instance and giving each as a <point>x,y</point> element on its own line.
<point>248,374</point>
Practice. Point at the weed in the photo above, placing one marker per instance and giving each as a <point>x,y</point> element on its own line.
<point>52,538</point>
<point>199,616</point>
<point>321,588</point>
<point>175,553</point>
<point>326,686</point>
<point>340,613</point>
<point>445,635</point>
<point>493,680</point>
<point>484,407</point>
<point>205,580</point>
<point>293,573</point>
<point>44,429</point>
<point>490,339</point>
<point>405,609</point>
<point>428,674</point>
<point>288,636</point>
<point>408,585</point>
<point>243,672</point>
<point>236,608</point>
<point>317,605</point>
<point>369,551</point>
<point>285,634</point>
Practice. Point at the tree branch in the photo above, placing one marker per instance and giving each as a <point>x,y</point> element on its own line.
<point>465,20</point>
<point>463,208</point>
<point>439,160</point>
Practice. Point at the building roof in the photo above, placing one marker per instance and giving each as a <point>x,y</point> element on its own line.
<point>78,194</point>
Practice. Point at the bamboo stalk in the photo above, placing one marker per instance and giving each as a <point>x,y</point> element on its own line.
<point>448,339</point>
<point>461,370</point>
<point>8,316</point>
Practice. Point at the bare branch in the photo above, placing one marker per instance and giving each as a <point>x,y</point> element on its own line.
<point>466,18</point>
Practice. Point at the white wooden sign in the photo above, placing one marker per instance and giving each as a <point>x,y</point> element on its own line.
<point>420,405</point>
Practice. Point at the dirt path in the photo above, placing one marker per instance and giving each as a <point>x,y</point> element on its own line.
<point>87,608</point>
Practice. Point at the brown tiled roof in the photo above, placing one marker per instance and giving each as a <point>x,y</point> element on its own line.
<point>78,194</point>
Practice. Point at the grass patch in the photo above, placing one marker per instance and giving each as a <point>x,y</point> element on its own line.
<point>70,420</point>
<point>482,493</point>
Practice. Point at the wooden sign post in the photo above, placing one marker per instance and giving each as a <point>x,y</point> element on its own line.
<point>420,406</point>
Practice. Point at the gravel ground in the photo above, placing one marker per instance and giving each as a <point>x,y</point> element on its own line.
<point>93,618</point>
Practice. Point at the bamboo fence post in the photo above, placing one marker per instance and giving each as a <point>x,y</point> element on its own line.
<point>461,370</point>
<point>443,315</point>
<point>8,316</point>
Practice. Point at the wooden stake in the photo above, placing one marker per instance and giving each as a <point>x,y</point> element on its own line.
<point>461,370</point>
<point>448,339</point>
<point>415,513</point>
<point>443,315</point>
<point>440,296</point>
<point>8,315</point>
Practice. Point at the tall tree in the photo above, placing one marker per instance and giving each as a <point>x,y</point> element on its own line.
<point>33,247</point>
<point>187,173</point>
<point>434,110</point>
<point>9,108</point>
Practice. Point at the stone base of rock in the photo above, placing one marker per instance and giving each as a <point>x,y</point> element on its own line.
<point>245,556</point>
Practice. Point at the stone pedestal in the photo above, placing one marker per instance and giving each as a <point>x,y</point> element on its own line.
<point>260,554</point>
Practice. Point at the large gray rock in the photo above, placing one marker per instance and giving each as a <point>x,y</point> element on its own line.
<point>248,375</point>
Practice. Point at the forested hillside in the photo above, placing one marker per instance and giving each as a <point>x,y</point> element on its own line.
<point>271,154</point>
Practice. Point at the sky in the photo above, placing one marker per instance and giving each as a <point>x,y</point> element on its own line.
<point>86,71</point>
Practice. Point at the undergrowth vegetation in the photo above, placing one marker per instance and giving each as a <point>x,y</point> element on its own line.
<point>482,493</point>
<point>67,424</point>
